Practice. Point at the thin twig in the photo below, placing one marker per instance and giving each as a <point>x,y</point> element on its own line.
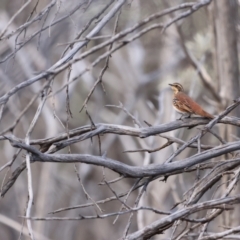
<point>28,165</point>
<point>14,16</point>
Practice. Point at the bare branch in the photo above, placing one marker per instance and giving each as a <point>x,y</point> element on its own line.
<point>124,169</point>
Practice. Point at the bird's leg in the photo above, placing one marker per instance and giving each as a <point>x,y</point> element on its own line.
<point>183,117</point>
<point>180,117</point>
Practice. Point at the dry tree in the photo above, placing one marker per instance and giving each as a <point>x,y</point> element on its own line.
<point>86,83</point>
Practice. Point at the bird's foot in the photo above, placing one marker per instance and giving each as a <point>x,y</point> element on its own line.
<point>184,116</point>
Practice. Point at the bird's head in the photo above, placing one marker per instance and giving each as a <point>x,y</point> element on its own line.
<point>177,87</point>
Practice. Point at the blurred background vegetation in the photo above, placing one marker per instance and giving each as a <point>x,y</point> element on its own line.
<point>193,51</point>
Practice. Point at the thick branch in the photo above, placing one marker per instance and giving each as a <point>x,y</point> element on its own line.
<point>156,226</point>
<point>102,128</point>
<point>124,169</point>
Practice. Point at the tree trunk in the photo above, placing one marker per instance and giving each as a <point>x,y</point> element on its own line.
<point>226,39</point>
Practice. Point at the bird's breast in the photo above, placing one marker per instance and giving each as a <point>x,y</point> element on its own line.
<point>176,105</point>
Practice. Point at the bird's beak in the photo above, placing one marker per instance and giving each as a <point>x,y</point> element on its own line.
<point>170,84</point>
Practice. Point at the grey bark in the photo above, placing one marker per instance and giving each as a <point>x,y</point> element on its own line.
<point>228,66</point>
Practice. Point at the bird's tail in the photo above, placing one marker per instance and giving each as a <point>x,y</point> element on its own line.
<point>205,114</point>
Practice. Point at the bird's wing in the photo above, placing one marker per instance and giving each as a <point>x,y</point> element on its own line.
<point>184,102</point>
<point>190,104</point>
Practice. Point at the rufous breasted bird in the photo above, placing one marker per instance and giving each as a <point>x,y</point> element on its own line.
<point>186,105</point>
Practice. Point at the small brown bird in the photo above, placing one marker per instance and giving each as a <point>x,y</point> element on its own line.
<point>186,105</point>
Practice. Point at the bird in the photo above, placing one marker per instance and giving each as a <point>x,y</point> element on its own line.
<point>186,105</point>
